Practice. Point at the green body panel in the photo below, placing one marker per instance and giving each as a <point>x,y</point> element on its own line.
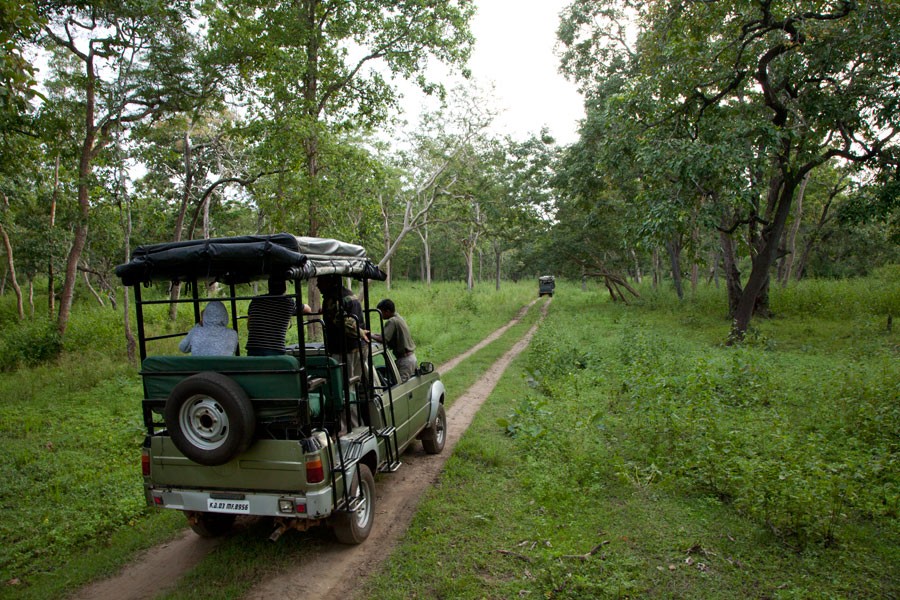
<point>162,373</point>
<point>268,465</point>
<point>261,377</point>
<point>326,368</point>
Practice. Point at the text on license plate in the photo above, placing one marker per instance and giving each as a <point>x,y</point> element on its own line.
<point>241,507</point>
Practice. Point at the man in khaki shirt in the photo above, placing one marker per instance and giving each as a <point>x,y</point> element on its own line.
<point>398,339</point>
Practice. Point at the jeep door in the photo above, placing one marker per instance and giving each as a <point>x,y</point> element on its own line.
<point>389,377</point>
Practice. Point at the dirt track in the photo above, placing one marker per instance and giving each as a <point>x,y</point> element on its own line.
<point>395,506</point>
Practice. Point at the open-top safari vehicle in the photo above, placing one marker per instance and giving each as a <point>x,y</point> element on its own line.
<point>546,285</point>
<point>292,437</point>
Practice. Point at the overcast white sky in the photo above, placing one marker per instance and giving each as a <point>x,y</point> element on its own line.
<point>514,51</point>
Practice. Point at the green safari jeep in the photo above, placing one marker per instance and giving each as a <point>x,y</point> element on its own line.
<point>546,285</point>
<point>291,437</point>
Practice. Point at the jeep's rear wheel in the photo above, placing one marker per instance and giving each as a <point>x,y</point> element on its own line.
<point>210,525</point>
<point>209,418</point>
<point>354,527</point>
<point>436,436</point>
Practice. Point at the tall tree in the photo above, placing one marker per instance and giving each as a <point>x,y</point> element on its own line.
<point>135,61</point>
<point>430,169</point>
<point>820,78</point>
<point>320,66</point>
<point>514,180</point>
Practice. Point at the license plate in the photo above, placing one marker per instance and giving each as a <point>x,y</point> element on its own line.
<point>238,507</point>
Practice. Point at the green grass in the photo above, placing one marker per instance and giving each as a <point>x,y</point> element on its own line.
<point>70,431</point>
<point>691,469</point>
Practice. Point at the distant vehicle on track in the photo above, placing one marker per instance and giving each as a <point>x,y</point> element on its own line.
<point>546,285</point>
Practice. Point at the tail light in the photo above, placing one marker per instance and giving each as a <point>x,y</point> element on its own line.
<point>145,462</point>
<point>315,472</point>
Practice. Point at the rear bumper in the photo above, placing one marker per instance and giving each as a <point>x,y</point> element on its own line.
<point>313,505</point>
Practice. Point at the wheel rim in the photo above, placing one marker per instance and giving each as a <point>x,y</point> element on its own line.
<point>362,513</point>
<point>440,430</point>
<point>204,422</point>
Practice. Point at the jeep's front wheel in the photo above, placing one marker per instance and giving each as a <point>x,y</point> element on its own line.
<point>354,527</point>
<point>210,418</point>
<point>435,436</point>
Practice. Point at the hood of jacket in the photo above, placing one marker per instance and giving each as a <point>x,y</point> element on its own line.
<point>215,314</point>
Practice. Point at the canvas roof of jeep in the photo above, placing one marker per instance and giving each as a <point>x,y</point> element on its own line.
<point>242,259</point>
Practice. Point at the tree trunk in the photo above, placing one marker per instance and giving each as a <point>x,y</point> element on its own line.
<point>12,272</point>
<point>674,250</point>
<point>498,255</point>
<point>790,245</point>
<point>206,205</point>
<point>732,274</point>
<point>84,200</point>
<point>313,25</point>
<point>657,269</point>
<point>386,238</point>
<point>426,247</point>
<point>311,107</point>
<point>471,247</point>
<point>713,276</point>
<point>51,275</point>
<point>638,276</point>
<point>695,266</point>
<point>125,217</point>
<point>188,161</point>
<point>480,265</point>
<point>469,253</point>
<point>781,193</point>
<point>87,282</point>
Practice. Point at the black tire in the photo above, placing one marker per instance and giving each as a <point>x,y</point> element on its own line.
<point>436,436</point>
<point>354,527</point>
<point>209,418</point>
<point>210,525</point>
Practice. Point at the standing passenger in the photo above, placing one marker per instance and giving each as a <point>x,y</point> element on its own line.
<point>398,339</point>
<point>343,317</point>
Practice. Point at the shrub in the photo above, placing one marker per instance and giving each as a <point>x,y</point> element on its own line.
<point>29,343</point>
<point>798,442</point>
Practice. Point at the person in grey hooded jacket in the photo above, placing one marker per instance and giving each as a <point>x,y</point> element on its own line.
<point>211,336</point>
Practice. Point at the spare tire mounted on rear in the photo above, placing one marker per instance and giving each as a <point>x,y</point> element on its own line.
<point>210,418</point>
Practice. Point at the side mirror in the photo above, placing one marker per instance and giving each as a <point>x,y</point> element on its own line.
<point>426,367</point>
